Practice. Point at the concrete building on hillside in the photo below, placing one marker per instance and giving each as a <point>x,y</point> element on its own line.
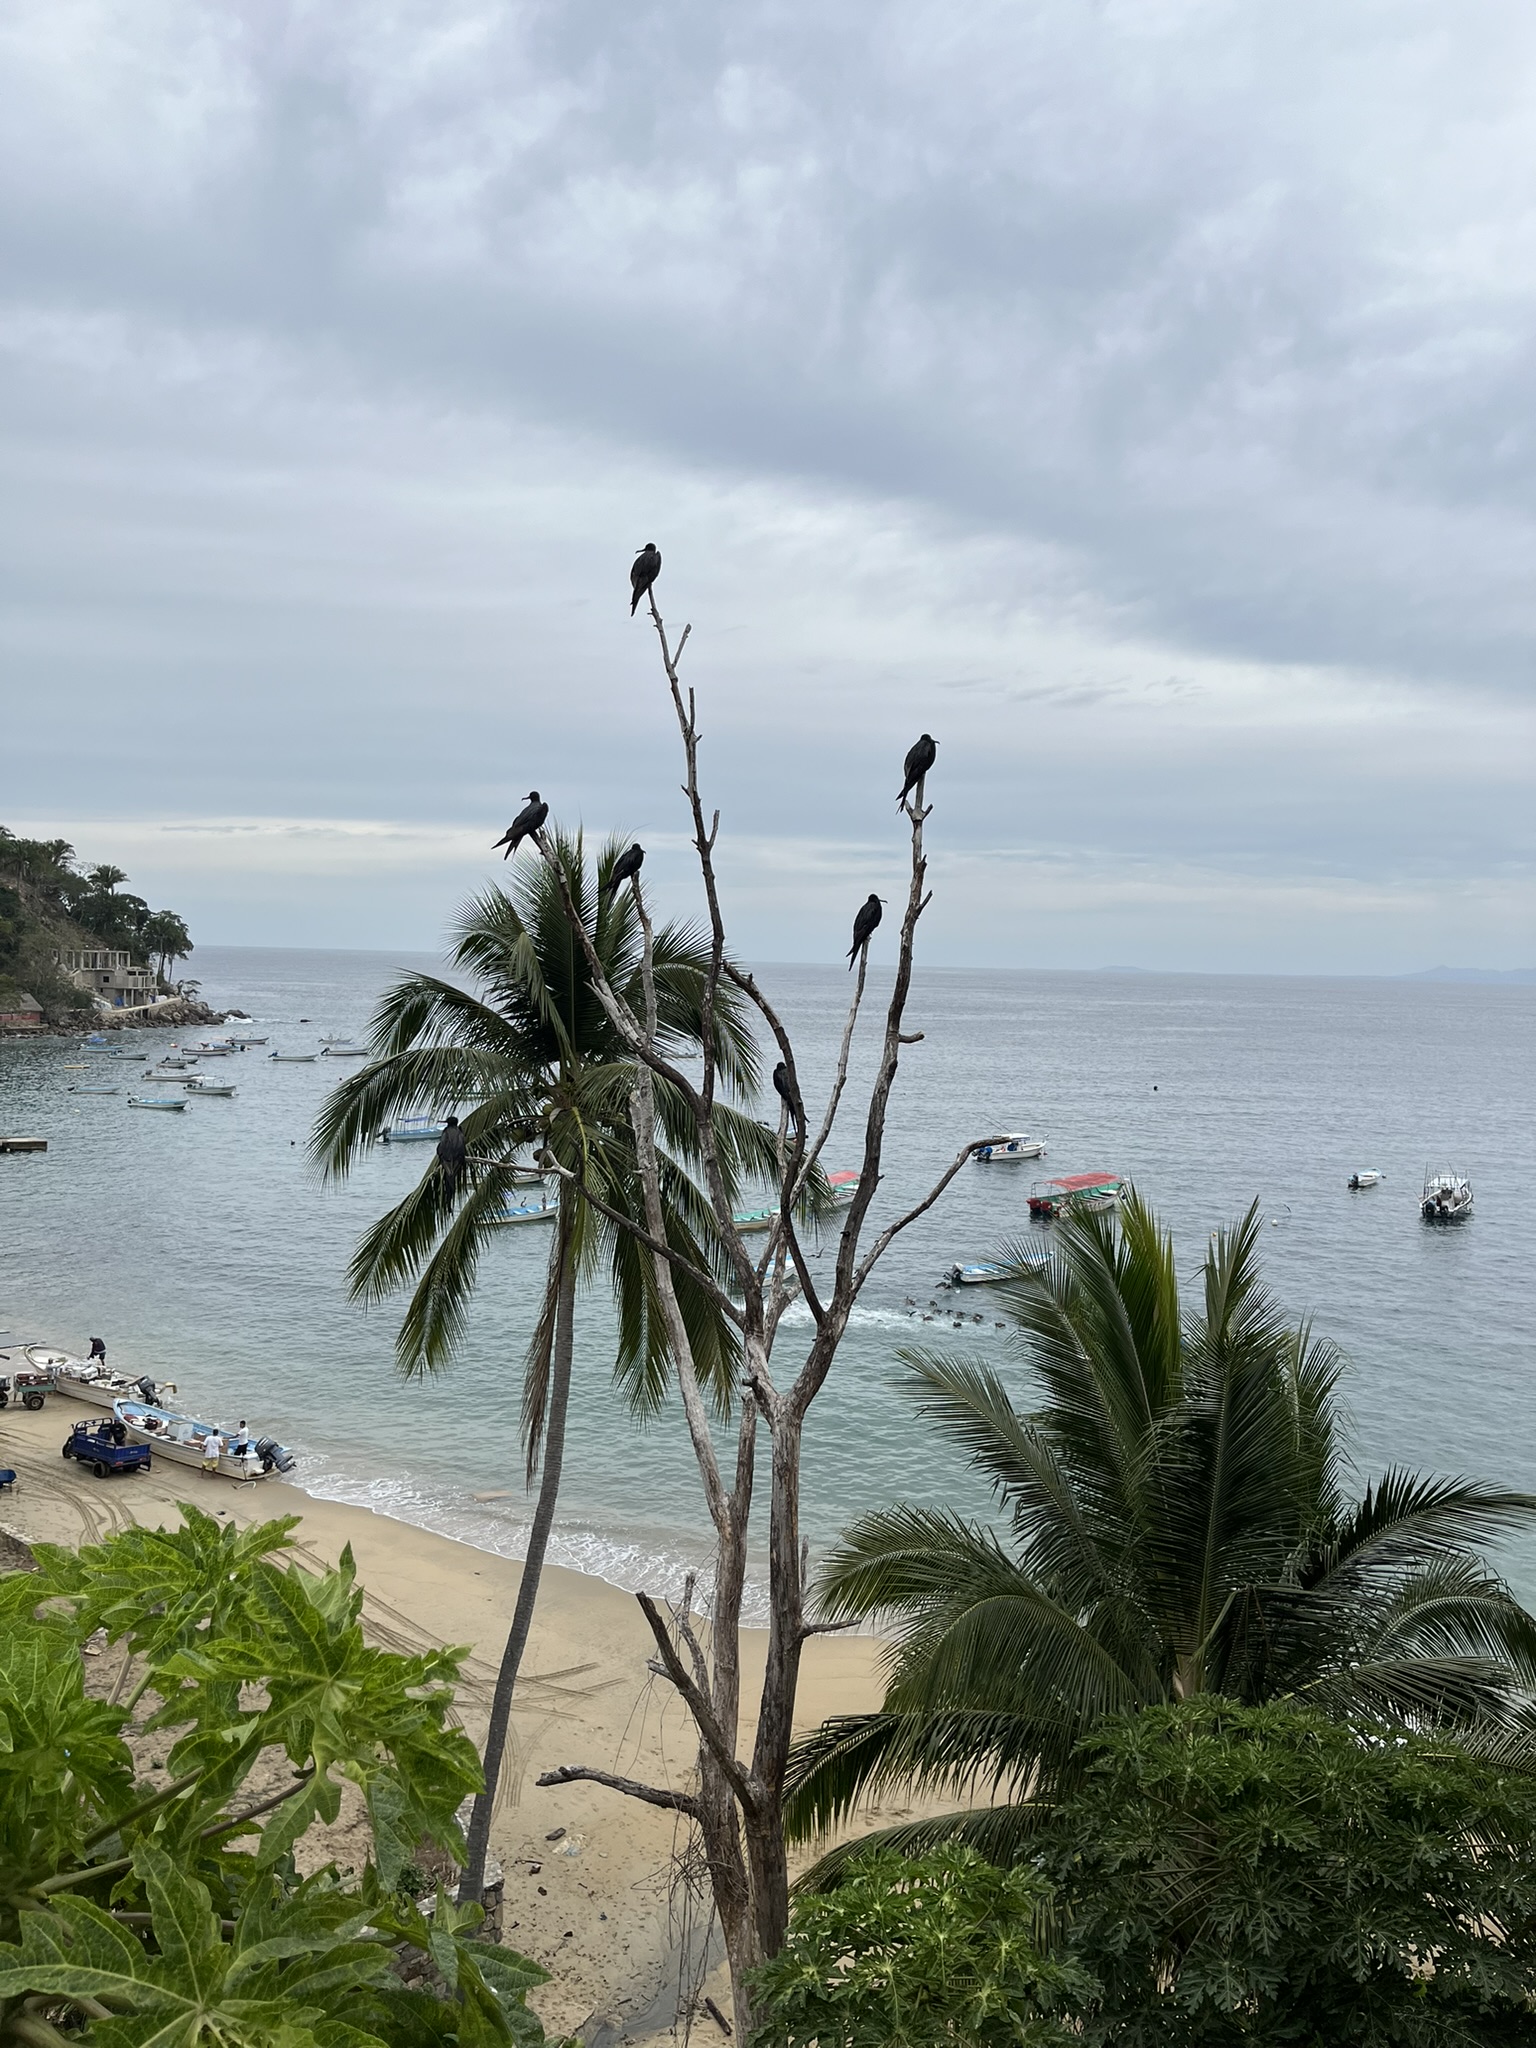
<point>113,978</point>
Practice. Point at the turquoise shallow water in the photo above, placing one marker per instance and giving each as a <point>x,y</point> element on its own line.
<point>202,1248</point>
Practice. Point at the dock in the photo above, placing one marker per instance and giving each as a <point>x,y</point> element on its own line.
<point>23,1144</point>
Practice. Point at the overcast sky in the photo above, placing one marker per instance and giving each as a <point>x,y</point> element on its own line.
<point>1137,396</point>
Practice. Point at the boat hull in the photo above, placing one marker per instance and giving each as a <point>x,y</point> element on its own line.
<point>181,1440</point>
<point>1009,1152</point>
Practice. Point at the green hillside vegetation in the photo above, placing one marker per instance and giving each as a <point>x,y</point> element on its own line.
<point>48,899</point>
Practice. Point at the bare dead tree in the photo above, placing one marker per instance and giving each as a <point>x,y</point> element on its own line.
<point>737,1800</point>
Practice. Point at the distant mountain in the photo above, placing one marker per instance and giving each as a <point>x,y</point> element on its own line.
<point>1521,977</point>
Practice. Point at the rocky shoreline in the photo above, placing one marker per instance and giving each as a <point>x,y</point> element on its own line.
<point>177,1014</point>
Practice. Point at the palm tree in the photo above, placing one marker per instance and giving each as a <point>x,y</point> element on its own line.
<point>532,1059</point>
<point>167,940</point>
<point>1178,1521</point>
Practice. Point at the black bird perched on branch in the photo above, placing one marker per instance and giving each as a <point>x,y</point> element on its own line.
<point>627,864</point>
<point>529,820</point>
<point>451,1153</point>
<point>647,567</point>
<point>920,758</point>
<point>864,927</point>
<point>790,1094</point>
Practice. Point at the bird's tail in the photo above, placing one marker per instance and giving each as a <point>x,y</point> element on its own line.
<point>634,604</point>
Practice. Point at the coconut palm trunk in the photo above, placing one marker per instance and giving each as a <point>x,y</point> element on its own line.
<point>563,1263</point>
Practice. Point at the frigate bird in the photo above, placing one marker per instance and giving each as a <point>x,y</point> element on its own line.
<point>920,759</point>
<point>783,1081</point>
<point>627,864</point>
<point>864,926</point>
<point>529,820</point>
<point>451,1153</point>
<point>647,567</point>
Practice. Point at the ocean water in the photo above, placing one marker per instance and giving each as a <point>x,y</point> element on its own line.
<point>204,1250</point>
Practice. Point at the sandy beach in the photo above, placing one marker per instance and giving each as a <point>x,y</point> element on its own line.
<point>606,1907</point>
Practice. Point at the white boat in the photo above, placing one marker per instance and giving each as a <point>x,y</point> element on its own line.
<point>176,1063</point>
<point>173,1077</point>
<point>1447,1197</point>
<point>212,1052</point>
<point>98,1386</point>
<point>414,1130</point>
<point>181,1438</point>
<point>242,1044</point>
<point>1076,1191</point>
<point>295,1059</point>
<point>343,1052</point>
<point>1015,1145</point>
<point>978,1273</point>
<point>157,1102</point>
<point>197,1086</point>
<point>528,1212</point>
<point>92,1088</point>
<point>1367,1177</point>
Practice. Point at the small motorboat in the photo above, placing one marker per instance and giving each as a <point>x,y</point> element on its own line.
<point>414,1130</point>
<point>198,1086</point>
<point>1367,1177</point>
<point>212,1052</point>
<point>244,1044</point>
<point>1014,1146</point>
<point>978,1273</point>
<point>528,1212</point>
<point>92,1088</point>
<point>172,1077</point>
<point>1447,1197</point>
<point>157,1102</point>
<point>843,1186</point>
<point>343,1052</point>
<point>181,1438</point>
<point>1076,1191</point>
<point>175,1063</point>
<point>749,1220</point>
<point>295,1059</point>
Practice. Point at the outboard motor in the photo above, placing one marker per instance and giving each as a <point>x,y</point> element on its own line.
<point>275,1457</point>
<point>149,1390</point>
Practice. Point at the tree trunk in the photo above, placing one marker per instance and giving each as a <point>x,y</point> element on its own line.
<point>472,1884</point>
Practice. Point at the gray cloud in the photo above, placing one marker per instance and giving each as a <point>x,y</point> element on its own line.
<point>1150,383</point>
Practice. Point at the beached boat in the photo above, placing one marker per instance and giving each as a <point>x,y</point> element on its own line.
<point>1366,1177</point>
<point>1447,1197</point>
<point>528,1212</point>
<point>1075,1191</point>
<point>295,1059</point>
<point>181,1438</point>
<point>98,1386</point>
<point>1016,1145</point>
<point>414,1130</point>
<point>198,1086</point>
<point>157,1102</point>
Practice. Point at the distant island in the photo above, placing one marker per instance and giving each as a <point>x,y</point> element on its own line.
<point>1518,977</point>
<point>76,946</point>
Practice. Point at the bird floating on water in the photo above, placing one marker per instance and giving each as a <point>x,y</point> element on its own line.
<point>530,819</point>
<point>783,1082</point>
<point>451,1153</point>
<point>647,567</point>
<point>920,758</point>
<point>627,865</point>
<point>864,925</point>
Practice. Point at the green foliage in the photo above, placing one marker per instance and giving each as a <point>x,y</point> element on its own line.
<point>1176,1520</point>
<point>167,1910</point>
<point>913,1954</point>
<point>1238,1874</point>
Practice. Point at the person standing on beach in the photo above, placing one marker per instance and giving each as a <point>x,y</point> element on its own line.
<point>213,1450</point>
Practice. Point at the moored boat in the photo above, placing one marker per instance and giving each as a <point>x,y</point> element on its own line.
<point>414,1130</point>
<point>198,1086</point>
<point>1015,1145</point>
<point>343,1052</point>
<point>1366,1177</point>
<point>157,1102</point>
<point>182,1438</point>
<point>92,1088</point>
<point>528,1212</point>
<point>295,1059</point>
<point>1076,1191</point>
<point>977,1273</point>
<point>1447,1197</point>
<point>843,1185</point>
<point>243,1044</point>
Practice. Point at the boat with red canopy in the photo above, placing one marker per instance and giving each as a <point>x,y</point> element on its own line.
<point>1076,1191</point>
